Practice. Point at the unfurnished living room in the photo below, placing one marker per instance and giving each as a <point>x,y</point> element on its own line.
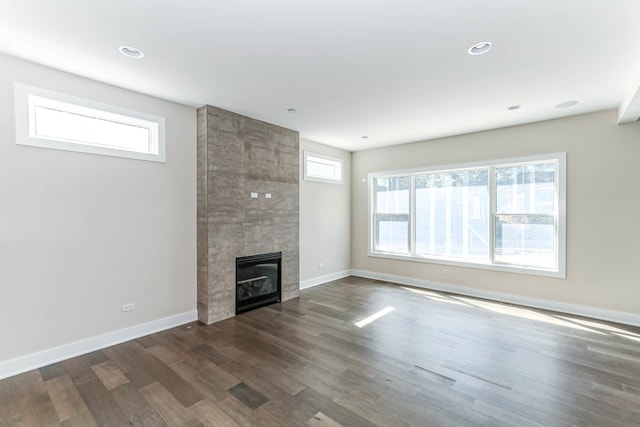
<point>319,213</point>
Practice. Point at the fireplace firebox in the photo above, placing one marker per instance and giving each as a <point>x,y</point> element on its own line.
<point>258,281</point>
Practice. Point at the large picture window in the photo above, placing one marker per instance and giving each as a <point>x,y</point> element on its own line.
<point>505,215</point>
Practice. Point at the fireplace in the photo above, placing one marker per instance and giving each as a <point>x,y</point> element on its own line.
<point>258,281</point>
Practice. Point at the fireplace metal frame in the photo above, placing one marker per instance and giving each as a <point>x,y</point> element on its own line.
<point>262,300</point>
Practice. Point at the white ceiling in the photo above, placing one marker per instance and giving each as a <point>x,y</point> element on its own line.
<point>395,71</point>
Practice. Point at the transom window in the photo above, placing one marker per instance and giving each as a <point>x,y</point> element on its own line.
<point>505,215</point>
<point>318,167</point>
<point>53,120</point>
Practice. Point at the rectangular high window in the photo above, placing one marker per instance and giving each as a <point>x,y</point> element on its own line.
<point>318,167</point>
<point>53,120</point>
<point>504,215</point>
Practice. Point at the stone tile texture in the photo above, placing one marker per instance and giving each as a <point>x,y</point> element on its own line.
<point>238,155</point>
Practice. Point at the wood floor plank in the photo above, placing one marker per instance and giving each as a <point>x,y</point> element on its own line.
<point>165,354</point>
<point>242,414</point>
<point>136,372</point>
<point>110,375</point>
<point>217,374</point>
<point>333,410</point>
<point>79,369</point>
<point>211,415</point>
<point>208,385</point>
<point>101,403</point>
<point>67,400</point>
<point>52,371</point>
<point>10,410</point>
<point>39,411</point>
<point>502,415</point>
<point>437,359</point>
<point>96,357</point>
<point>169,408</point>
<point>247,395</point>
<point>184,392</point>
<point>321,420</point>
<point>136,408</point>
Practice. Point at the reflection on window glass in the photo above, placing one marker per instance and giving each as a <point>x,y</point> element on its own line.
<point>68,126</point>
<point>525,231</point>
<point>527,240</point>
<point>392,195</point>
<point>526,189</point>
<point>322,168</point>
<point>452,214</point>
<point>391,232</point>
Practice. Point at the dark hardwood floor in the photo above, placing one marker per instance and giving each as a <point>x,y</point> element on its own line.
<point>433,360</point>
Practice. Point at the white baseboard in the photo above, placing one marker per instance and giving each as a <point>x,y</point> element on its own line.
<point>37,360</point>
<point>579,310</point>
<point>324,279</point>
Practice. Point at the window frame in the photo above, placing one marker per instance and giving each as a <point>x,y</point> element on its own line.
<point>26,96</point>
<point>330,160</point>
<point>489,264</point>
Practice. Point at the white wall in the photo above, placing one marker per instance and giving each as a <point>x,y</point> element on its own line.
<point>325,221</point>
<point>603,204</point>
<point>82,234</point>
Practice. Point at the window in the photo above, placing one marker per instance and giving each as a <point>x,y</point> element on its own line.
<point>506,215</point>
<point>392,214</point>
<point>54,120</point>
<point>451,214</point>
<point>318,167</point>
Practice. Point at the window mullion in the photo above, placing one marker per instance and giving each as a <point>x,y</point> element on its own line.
<point>492,212</point>
<point>412,215</point>
<point>373,206</point>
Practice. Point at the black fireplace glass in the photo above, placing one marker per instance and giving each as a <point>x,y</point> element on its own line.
<point>258,281</point>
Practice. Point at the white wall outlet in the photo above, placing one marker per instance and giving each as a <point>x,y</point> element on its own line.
<point>267,195</point>
<point>445,270</point>
<point>254,195</point>
<point>128,307</point>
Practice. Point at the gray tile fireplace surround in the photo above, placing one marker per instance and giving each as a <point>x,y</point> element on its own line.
<point>238,156</point>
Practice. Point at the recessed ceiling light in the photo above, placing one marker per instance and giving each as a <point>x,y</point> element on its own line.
<point>131,52</point>
<point>566,104</point>
<point>364,137</point>
<point>514,107</point>
<point>480,48</point>
<point>291,110</point>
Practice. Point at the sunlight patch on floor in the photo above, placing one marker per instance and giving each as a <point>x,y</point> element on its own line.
<point>567,321</point>
<point>364,322</point>
<point>525,314</point>
<point>600,325</point>
<point>433,296</point>
<point>629,337</point>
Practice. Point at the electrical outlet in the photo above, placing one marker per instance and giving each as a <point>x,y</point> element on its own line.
<point>128,307</point>
<point>445,270</point>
